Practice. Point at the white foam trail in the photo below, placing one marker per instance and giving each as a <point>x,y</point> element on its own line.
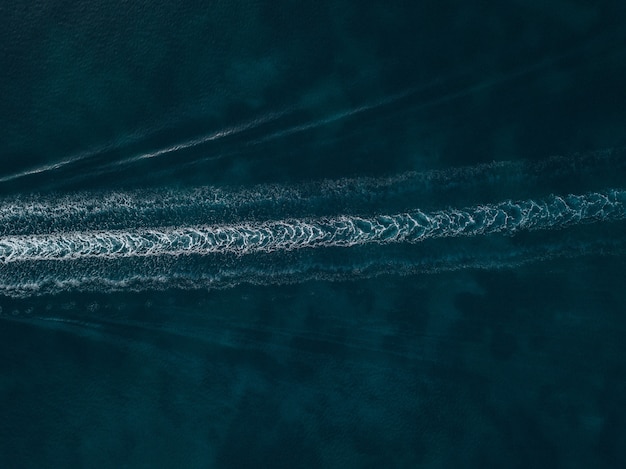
<point>507,217</point>
<point>29,214</point>
<point>47,280</point>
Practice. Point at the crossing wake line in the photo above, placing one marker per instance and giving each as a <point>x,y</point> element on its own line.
<point>507,217</point>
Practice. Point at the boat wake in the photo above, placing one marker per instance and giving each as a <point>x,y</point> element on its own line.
<point>213,237</point>
<point>507,217</point>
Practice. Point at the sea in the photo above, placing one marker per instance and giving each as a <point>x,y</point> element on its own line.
<point>334,234</point>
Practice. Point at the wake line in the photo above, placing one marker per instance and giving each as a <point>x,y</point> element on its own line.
<point>28,214</point>
<point>508,217</point>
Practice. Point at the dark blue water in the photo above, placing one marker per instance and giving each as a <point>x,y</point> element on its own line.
<point>324,234</point>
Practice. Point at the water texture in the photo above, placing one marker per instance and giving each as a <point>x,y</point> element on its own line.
<point>324,234</point>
